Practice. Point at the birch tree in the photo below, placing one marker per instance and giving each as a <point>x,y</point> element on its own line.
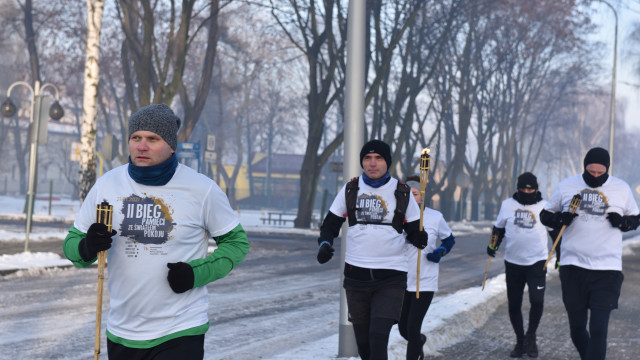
<point>87,170</point>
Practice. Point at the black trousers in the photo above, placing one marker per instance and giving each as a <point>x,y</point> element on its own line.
<point>183,348</point>
<point>594,290</point>
<point>517,276</point>
<point>413,313</point>
<point>374,307</point>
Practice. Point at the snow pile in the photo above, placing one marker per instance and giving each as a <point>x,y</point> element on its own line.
<point>474,227</point>
<point>449,320</point>
<point>26,260</point>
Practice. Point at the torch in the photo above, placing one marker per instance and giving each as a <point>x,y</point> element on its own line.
<point>104,215</point>
<point>493,242</point>
<point>573,207</point>
<point>424,178</point>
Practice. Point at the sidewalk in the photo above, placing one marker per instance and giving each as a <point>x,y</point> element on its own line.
<point>495,339</point>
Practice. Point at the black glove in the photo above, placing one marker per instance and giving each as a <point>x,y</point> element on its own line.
<point>491,252</point>
<point>180,277</point>
<point>629,222</point>
<point>418,239</point>
<point>624,223</point>
<point>566,218</point>
<point>98,239</point>
<point>325,252</point>
<point>436,255</point>
<point>615,219</point>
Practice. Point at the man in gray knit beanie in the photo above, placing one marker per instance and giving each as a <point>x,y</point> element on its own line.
<point>164,214</point>
<point>157,118</point>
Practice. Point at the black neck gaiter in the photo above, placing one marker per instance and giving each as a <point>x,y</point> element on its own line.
<point>592,181</point>
<point>527,199</point>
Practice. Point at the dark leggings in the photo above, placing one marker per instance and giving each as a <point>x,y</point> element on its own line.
<point>413,313</point>
<point>517,276</point>
<point>372,338</point>
<point>591,344</point>
<point>594,291</point>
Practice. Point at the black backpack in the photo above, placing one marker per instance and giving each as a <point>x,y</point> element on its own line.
<point>402,193</point>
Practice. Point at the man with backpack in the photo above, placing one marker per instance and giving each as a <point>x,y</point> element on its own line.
<point>375,270</point>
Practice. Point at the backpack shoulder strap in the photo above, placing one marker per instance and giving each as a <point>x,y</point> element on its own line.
<point>351,195</point>
<point>403,195</point>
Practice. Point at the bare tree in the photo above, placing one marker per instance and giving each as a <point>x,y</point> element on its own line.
<point>322,40</point>
<point>158,37</point>
<point>318,30</point>
<point>514,59</point>
<point>87,171</point>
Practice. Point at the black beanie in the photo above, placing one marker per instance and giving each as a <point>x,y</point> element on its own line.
<point>159,119</point>
<point>597,155</point>
<point>378,147</point>
<point>527,181</point>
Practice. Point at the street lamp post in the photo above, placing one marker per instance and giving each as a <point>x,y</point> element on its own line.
<point>612,109</point>
<point>56,112</point>
<point>353,141</point>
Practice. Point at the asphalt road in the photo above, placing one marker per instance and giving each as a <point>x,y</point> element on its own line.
<point>495,339</point>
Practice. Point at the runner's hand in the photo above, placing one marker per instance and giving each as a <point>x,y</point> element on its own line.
<point>325,252</point>
<point>98,239</point>
<point>180,277</point>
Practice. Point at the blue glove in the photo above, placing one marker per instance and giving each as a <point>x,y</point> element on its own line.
<point>436,255</point>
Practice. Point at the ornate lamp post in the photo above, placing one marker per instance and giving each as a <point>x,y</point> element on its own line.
<point>56,112</point>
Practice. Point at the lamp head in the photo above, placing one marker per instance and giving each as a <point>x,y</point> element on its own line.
<point>8,108</point>
<point>56,111</point>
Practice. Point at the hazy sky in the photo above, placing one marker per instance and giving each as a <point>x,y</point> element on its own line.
<point>627,83</point>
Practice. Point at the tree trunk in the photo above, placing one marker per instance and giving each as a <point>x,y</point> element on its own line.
<point>87,169</point>
<point>21,155</point>
<point>30,39</point>
<point>192,111</point>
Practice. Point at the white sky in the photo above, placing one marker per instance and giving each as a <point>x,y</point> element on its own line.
<point>627,83</point>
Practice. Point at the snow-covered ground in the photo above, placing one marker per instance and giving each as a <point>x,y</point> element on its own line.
<point>461,311</point>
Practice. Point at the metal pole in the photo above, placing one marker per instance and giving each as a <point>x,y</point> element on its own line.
<point>353,141</point>
<point>50,195</point>
<point>612,109</point>
<point>34,120</point>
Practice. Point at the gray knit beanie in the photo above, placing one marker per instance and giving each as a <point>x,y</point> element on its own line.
<point>157,118</point>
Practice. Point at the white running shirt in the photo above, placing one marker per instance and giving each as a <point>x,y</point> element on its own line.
<point>590,241</point>
<point>156,225</point>
<point>437,229</point>
<point>526,239</point>
<point>375,246</point>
